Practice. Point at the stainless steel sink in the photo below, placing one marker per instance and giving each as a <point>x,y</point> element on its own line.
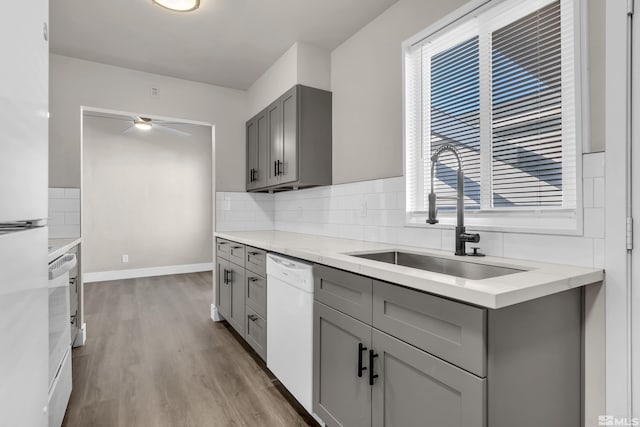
<point>464,269</point>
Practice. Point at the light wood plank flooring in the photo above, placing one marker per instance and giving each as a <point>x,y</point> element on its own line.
<point>154,358</point>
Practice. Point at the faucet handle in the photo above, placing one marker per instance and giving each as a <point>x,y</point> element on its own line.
<point>475,252</point>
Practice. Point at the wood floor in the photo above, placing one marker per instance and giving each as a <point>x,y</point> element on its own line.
<point>153,357</point>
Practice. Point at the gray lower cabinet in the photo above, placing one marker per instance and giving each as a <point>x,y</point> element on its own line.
<point>241,285</point>
<point>341,393</point>
<point>414,388</point>
<point>231,300</point>
<point>364,377</point>
<point>223,289</point>
<point>385,355</point>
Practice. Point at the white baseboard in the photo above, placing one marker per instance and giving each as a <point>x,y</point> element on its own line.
<point>81,338</point>
<point>215,314</point>
<point>104,276</point>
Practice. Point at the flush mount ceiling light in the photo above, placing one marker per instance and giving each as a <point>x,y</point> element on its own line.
<point>142,123</point>
<point>178,5</point>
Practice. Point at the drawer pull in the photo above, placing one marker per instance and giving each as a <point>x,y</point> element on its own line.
<point>361,349</point>
<point>253,253</point>
<point>253,279</point>
<point>253,317</point>
<point>236,247</point>
<point>372,375</point>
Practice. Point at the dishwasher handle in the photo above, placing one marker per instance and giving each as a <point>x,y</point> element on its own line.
<point>62,265</point>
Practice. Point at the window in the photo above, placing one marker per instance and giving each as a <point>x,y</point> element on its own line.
<point>499,84</point>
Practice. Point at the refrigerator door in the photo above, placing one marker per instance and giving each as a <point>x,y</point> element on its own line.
<point>24,98</point>
<point>24,331</point>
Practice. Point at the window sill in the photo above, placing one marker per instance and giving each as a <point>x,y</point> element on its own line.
<point>560,222</point>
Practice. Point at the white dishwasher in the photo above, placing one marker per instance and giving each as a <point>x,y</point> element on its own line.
<point>290,326</point>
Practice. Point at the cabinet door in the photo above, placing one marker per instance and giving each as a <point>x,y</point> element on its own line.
<point>289,168</point>
<point>274,136</point>
<point>340,396</point>
<point>252,153</point>
<point>223,288</point>
<point>262,163</point>
<point>414,388</point>
<point>237,317</point>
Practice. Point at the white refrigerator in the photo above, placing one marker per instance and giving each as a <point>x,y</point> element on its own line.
<point>24,345</point>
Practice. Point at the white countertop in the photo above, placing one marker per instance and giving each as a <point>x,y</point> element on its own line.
<point>539,279</point>
<point>59,247</point>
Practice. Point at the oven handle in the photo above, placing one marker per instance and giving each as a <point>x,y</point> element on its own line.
<point>62,265</point>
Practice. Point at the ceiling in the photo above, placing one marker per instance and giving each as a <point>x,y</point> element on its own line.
<point>225,42</point>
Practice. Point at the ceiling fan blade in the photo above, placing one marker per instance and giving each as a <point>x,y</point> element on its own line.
<point>105,116</point>
<point>171,130</point>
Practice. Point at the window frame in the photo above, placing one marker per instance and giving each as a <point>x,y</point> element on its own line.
<point>543,220</point>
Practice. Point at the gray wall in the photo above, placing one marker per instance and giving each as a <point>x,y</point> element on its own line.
<point>147,195</point>
<point>366,80</point>
<point>75,83</point>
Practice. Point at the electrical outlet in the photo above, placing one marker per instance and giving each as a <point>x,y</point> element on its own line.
<point>125,258</point>
<point>155,92</point>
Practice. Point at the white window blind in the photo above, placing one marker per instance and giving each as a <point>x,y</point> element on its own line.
<point>499,84</point>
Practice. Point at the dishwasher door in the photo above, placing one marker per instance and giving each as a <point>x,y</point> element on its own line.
<point>290,325</point>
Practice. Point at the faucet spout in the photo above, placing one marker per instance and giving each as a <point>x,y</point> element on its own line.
<point>462,237</point>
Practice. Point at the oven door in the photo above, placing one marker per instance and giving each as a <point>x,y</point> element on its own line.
<point>59,316</point>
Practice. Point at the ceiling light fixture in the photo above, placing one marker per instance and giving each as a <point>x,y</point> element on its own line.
<point>178,5</point>
<point>142,123</point>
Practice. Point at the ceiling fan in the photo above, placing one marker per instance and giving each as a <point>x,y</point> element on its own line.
<point>143,124</point>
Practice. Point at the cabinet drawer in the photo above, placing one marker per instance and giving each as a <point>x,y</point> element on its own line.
<point>256,335</point>
<point>452,331</point>
<point>222,248</point>
<point>347,292</point>
<point>257,261</point>
<point>236,253</point>
<point>256,293</point>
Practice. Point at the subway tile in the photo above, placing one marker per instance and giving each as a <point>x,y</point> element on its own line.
<point>598,193</point>
<point>598,253</point>
<point>422,237</point>
<point>72,218</point>
<point>587,192</point>
<point>594,222</point>
<point>593,165</point>
<point>549,248</point>
<point>56,193</point>
<point>72,193</point>
<point>56,219</point>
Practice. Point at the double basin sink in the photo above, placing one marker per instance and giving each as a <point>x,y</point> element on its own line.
<point>451,267</point>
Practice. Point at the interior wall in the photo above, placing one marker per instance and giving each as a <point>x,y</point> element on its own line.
<point>147,195</point>
<point>75,83</point>
<point>366,81</point>
<point>302,63</point>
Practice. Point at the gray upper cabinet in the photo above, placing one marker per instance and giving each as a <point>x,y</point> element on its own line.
<point>257,152</point>
<point>296,144</point>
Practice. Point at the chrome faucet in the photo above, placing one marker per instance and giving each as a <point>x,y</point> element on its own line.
<point>462,237</point>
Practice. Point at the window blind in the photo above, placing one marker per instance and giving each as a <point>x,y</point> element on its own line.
<point>526,121</point>
<point>499,84</point>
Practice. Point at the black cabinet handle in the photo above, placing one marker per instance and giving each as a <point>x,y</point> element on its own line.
<point>253,317</point>
<point>280,168</point>
<point>224,276</point>
<point>361,349</point>
<point>253,253</point>
<point>230,277</point>
<point>372,376</point>
<point>275,168</point>
<point>252,279</point>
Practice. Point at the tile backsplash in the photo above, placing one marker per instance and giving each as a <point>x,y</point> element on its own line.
<point>374,211</point>
<point>64,212</point>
